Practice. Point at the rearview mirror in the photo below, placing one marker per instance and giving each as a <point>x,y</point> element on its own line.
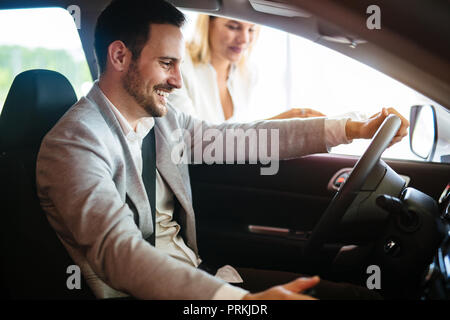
<point>423,131</point>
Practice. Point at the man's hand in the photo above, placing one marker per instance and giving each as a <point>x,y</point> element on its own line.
<point>288,291</point>
<point>366,129</point>
<point>298,113</point>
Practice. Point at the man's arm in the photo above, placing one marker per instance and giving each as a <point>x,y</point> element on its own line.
<point>291,138</point>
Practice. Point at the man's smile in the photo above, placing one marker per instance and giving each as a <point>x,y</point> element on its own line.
<point>163,95</point>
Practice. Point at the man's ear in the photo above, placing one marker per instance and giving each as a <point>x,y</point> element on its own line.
<point>119,56</point>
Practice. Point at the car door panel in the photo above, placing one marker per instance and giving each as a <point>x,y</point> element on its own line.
<point>253,220</point>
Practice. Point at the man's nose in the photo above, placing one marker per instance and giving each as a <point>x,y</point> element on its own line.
<point>175,78</point>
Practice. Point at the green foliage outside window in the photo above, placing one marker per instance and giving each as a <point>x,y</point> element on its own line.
<point>16,59</point>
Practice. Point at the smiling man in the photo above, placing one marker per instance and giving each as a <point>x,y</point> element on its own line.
<point>105,178</point>
<point>140,85</point>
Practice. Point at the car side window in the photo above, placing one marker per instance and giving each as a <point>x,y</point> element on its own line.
<point>314,76</point>
<point>43,38</point>
<point>294,72</point>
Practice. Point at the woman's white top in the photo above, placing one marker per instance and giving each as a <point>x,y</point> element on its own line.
<point>200,97</point>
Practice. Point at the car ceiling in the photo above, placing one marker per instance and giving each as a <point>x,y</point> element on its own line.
<point>412,45</point>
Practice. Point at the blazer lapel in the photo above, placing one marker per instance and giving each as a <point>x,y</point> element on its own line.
<point>172,175</point>
<point>135,188</point>
<point>169,170</point>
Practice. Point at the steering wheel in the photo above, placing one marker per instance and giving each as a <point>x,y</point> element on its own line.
<point>350,189</point>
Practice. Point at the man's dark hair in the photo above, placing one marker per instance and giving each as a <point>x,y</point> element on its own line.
<point>129,21</point>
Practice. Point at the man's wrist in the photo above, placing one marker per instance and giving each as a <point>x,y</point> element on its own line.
<point>352,129</point>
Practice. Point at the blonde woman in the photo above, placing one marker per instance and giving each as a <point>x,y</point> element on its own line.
<point>218,83</point>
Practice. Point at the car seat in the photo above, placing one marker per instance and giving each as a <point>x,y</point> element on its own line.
<point>33,260</point>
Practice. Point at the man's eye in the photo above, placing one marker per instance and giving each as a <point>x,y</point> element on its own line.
<point>166,64</point>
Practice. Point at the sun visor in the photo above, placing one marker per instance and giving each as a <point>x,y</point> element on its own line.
<point>204,5</point>
<point>333,34</point>
<point>278,9</point>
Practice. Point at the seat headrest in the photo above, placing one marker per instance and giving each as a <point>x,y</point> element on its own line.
<point>36,101</point>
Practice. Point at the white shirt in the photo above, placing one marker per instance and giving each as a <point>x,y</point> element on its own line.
<point>167,237</point>
<point>199,97</point>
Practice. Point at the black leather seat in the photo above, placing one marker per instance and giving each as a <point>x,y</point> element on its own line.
<point>33,260</point>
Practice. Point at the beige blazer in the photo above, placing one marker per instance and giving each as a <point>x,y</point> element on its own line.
<point>85,173</point>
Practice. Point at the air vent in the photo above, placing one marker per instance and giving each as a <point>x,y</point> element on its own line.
<point>278,9</point>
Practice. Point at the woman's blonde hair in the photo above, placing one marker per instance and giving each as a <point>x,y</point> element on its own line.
<point>199,47</point>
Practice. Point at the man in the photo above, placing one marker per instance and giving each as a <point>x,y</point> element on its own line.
<point>91,170</point>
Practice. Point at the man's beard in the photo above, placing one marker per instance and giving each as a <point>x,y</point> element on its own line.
<point>135,87</point>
